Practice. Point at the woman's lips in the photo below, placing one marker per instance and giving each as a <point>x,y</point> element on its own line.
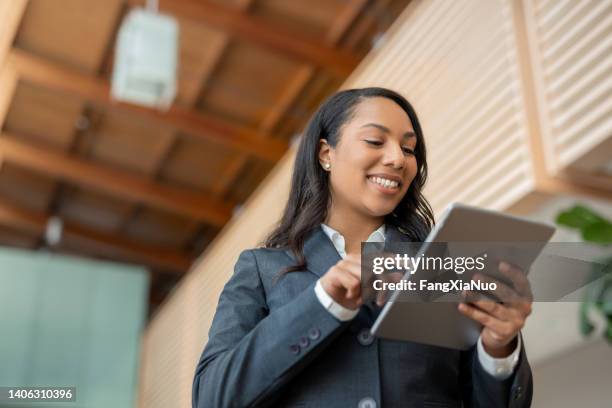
<point>382,188</point>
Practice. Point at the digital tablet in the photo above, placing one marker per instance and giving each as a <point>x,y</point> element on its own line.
<point>440,323</point>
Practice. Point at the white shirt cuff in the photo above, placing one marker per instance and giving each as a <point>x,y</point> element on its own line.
<point>500,368</point>
<point>337,310</point>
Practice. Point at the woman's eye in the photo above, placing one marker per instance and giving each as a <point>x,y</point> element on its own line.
<point>374,142</point>
<point>408,150</point>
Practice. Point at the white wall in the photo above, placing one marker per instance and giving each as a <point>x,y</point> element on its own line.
<point>569,370</point>
<point>582,377</point>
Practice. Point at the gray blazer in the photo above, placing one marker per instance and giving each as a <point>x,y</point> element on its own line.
<point>273,344</point>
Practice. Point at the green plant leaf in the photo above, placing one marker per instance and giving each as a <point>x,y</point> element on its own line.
<point>597,229</point>
<point>600,232</point>
<point>578,217</point>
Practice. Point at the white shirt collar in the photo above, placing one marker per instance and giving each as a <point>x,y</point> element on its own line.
<point>338,240</point>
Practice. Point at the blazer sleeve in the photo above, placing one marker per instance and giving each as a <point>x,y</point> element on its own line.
<point>252,351</point>
<point>480,389</point>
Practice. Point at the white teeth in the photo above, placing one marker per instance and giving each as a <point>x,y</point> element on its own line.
<point>385,182</point>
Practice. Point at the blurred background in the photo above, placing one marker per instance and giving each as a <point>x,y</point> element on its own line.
<point>145,144</point>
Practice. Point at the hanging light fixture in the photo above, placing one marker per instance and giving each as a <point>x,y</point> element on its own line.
<point>54,231</point>
<point>146,58</point>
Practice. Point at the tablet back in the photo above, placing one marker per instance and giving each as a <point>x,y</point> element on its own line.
<point>440,323</point>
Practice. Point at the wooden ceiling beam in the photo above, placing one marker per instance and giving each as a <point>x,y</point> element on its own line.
<point>291,92</point>
<point>217,51</point>
<point>236,164</point>
<point>112,245</point>
<point>255,29</point>
<point>8,84</point>
<point>377,9</point>
<point>596,180</point>
<point>305,72</point>
<point>121,184</point>
<point>33,69</point>
<point>11,13</point>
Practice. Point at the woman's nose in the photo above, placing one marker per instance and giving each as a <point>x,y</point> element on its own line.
<point>394,157</point>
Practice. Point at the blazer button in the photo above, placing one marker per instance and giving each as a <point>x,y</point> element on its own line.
<point>304,342</point>
<point>366,403</point>
<point>295,349</point>
<point>314,333</point>
<point>518,392</point>
<point>365,338</point>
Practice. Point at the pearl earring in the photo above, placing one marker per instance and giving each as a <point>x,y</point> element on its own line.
<point>327,166</point>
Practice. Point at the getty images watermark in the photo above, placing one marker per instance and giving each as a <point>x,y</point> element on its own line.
<point>501,271</point>
<point>412,264</point>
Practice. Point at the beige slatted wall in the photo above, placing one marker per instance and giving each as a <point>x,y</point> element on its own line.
<point>571,48</point>
<point>456,62</point>
<point>163,372</point>
<point>176,336</point>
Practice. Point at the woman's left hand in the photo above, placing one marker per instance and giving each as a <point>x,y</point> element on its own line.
<point>502,321</point>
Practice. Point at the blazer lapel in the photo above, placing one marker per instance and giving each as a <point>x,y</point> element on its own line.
<point>394,235</point>
<point>319,252</point>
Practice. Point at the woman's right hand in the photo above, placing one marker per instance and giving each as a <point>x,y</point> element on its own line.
<point>343,282</point>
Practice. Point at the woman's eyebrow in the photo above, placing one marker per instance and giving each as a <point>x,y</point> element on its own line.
<point>385,129</point>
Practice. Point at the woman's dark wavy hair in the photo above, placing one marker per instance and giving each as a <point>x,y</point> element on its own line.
<point>309,197</point>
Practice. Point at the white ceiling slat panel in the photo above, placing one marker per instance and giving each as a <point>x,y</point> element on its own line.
<point>468,161</point>
<point>571,51</point>
<point>462,93</point>
<point>456,63</point>
<point>586,43</point>
<point>479,180</point>
<point>465,96</point>
<point>485,109</point>
<point>563,23</point>
<point>454,50</point>
<point>590,78</point>
<point>577,26</point>
<point>419,57</point>
<point>577,117</point>
<point>552,8</point>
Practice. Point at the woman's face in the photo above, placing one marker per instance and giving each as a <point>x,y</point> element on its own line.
<point>373,163</point>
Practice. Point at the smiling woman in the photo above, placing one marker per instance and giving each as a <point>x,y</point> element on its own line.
<point>374,162</point>
<point>292,327</point>
<point>356,145</point>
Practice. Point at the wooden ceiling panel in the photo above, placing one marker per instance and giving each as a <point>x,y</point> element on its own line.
<point>201,239</point>
<point>251,175</point>
<point>25,188</point>
<point>96,91</point>
<point>160,228</point>
<point>376,19</point>
<point>140,185</point>
<point>238,4</point>
<point>248,80</point>
<point>312,18</point>
<point>321,86</point>
<point>201,47</point>
<point>75,32</point>
<point>82,248</point>
<point>92,209</point>
<point>16,238</point>
<point>43,116</point>
<point>130,144</point>
<point>196,165</point>
<point>116,246</point>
